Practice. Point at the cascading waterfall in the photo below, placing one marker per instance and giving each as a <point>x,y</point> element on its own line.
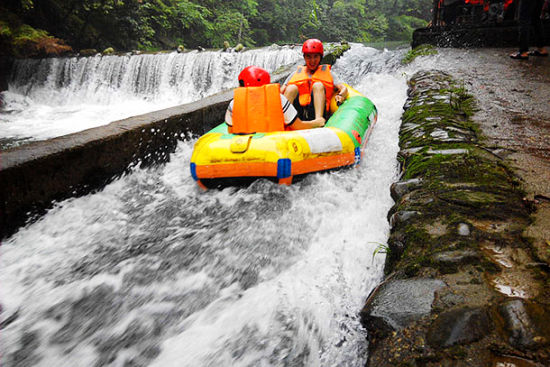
<point>57,96</point>
<point>151,271</point>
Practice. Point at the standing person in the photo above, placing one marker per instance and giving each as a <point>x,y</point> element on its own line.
<point>278,109</point>
<point>529,15</point>
<point>451,10</point>
<point>314,85</point>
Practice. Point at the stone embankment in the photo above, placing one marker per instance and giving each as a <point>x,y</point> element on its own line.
<point>464,286</point>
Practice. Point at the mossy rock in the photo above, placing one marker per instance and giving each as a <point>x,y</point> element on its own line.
<point>333,53</point>
<point>422,50</point>
<point>88,52</point>
<point>108,51</point>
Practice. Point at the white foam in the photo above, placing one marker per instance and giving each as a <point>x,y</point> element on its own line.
<point>266,275</point>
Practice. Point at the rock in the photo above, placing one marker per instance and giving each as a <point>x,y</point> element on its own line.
<point>408,152</point>
<point>239,47</point>
<point>457,257</point>
<point>440,134</point>
<point>463,229</point>
<point>200,48</point>
<point>403,216</point>
<point>398,303</point>
<point>448,151</point>
<point>87,52</point>
<point>399,189</point>
<point>108,51</point>
<point>226,45</point>
<point>522,333</point>
<point>462,326</point>
<point>180,49</point>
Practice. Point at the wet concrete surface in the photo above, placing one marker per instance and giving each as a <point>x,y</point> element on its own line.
<point>514,113</point>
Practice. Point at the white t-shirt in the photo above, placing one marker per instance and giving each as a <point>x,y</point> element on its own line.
<point>289,112</point>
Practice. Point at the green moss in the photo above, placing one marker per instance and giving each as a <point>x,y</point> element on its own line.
<point>458,352</point>
<point>422,50</point>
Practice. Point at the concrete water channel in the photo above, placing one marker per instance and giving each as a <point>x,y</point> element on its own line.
<point>466,280</point>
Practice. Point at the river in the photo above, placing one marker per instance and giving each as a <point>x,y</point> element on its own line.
<point>152,271</point>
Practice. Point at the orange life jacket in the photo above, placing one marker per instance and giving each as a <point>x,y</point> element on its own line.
<point>303,80</point>
<point>257,109</point>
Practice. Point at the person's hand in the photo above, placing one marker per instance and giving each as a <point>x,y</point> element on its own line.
<point>339,99</point>
<point>320,122</point>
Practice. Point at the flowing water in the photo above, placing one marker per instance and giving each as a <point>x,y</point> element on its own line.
<point>152,271</point>
<point>72,94</point>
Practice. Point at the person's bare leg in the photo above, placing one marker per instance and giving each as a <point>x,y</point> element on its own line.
<point>291,92</point>
<point>319,101</point>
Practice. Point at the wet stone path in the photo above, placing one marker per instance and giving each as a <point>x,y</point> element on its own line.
<point>471,288</point>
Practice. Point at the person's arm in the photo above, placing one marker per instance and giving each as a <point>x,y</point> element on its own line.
<point>341,93</point>
<point>340,90</point>
<point>285,83</point>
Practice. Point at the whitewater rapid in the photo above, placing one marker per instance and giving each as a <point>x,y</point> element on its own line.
<point>152,271</point>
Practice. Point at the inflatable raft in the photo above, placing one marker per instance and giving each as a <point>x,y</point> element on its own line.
<point>221,159</point>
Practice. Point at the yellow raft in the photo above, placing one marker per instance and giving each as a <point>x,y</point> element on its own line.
<point>220,158</point>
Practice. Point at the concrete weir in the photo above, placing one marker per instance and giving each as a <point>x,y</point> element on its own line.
<point>35,175</point>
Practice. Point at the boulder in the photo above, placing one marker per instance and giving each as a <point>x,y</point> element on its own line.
<point>401,188</point>
<point>460,326</point>
<point>398,303</point>
<point>522,332</point>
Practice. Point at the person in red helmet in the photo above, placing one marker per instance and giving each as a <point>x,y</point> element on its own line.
<point>312,85</point>
<point>253,76</point>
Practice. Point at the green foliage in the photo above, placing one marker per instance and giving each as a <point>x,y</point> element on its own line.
<point>381,248</point>
<point>22,40</point>
<point>157,24</point>
<point>402,27</point>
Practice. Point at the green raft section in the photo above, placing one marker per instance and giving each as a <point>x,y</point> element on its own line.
<point>357,113</point>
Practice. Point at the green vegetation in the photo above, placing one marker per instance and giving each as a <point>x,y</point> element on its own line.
<point>422,50</point>
<point>23,40</point>
<point>165,24</point>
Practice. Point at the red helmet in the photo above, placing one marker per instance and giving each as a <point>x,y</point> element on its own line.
<point>253,76</point>
<point>313,46</point>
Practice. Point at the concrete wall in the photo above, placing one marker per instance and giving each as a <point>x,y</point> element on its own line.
<point>32,176</point>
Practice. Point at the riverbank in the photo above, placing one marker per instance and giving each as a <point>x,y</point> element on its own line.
<point>467,264</point>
